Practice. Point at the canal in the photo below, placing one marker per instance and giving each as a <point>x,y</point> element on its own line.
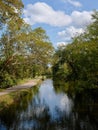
<point>47,109</point>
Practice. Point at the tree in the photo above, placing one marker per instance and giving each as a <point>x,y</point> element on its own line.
<point>9,9</point>
<point>23,52</point>
<point>81,57</point>
<point>40,49</point>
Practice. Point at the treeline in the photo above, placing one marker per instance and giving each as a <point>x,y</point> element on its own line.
<point>78,62</point>
<point>23,52</point>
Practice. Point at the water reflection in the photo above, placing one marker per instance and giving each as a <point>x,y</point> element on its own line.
<point>46,109</point>
<point>60,101</point>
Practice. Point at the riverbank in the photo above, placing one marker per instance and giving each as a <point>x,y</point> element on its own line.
<point>15,93</point>
<point>26,85</point>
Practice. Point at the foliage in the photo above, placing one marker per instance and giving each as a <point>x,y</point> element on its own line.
<point>81,58</point>
<point>6,80</point>
<point>24,53</point>
<point>9,10</point>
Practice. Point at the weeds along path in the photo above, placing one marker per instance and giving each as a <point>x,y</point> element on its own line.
<point>27,85</point>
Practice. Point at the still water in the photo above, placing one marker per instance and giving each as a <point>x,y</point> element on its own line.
<point>47,109</point>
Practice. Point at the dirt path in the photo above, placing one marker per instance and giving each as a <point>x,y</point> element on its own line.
<point>29,84</point>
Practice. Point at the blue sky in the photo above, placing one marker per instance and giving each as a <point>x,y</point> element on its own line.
<point>62,19</point>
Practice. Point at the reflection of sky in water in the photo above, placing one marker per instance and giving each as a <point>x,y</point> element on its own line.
<point>53,100</point>
<point>48,110</point>
<point>45,102</point>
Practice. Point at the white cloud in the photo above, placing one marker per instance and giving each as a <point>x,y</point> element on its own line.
<point>61,44</point>
<point>74,3</point>
<point>40,12</point>
<point>70,32</point>
<point>81,19</point>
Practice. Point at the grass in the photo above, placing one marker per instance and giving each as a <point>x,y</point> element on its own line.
<point>9,99</point>
<point>1,89</point>
<point>19,82</point>
<point>22,81</point>
<point>5,101</point>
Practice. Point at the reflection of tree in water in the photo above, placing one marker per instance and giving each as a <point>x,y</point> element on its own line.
<point>35,114</point>
<point>42,119</point>
<point>85,110</point>
<point>10,116</point>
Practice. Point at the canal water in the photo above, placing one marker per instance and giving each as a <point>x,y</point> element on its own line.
<point>47,109</point>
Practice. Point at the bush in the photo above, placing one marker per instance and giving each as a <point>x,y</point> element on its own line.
<point>6,80</point>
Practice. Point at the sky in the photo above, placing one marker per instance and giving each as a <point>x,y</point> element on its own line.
<point>62,19</point>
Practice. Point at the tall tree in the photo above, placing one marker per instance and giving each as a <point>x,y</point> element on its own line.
<point>23,51</point>
<point>81,57</point>
<point>9,9</point>
<point>40,48</point>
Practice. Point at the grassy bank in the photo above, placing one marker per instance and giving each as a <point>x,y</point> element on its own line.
<point>13,97</point>
<point>22,81</point>
<point>9,99</point>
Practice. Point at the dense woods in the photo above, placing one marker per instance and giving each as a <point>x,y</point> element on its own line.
<point>78,62</point>
<point>27,52</point>
<point>24,52</point>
